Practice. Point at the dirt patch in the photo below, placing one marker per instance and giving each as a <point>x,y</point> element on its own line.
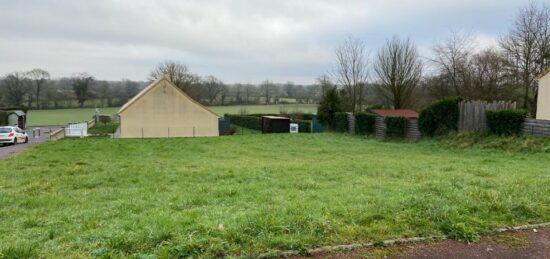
<point>519,244</point>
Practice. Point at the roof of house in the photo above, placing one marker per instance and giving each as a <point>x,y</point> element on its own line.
<point>151,86</point>
<point>546,71</point>
<point>18,113</point>
<point>409,114</point>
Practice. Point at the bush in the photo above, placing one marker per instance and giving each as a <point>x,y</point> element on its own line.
<point>341,122</point>
<point>440,118</point>
<point>304,126</point>
<point>250,122</point>
<point>396,127</point>
<point>507,122</point>
<point>104,119</point>
<point>364,123</point>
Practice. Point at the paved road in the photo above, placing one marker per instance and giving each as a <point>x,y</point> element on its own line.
<point>8,151</point>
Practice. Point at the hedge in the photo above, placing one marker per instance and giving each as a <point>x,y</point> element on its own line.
<point>440,118</point>
<point>396,127</point>
<point>507,122</point>
<point>304,126</point>
<point>364,123</point>
<point>341,122</point>
<point>249,122</point>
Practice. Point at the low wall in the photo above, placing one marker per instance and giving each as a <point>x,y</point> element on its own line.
<point>57,134</point>
<point>539,128</point>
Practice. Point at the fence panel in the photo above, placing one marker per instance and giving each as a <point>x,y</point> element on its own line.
<point>473,113</point>
<point>539,128</point>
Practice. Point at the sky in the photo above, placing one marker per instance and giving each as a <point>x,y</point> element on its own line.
<point>246,41</point>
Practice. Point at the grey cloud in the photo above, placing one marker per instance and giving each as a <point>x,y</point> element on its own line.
<point>238,41</point>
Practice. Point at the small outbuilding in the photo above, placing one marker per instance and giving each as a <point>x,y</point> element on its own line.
<point>162,110</point>
<point>543,103</point>
<point>411,131</point>
<point>17,118</point>
<point>274,124</point>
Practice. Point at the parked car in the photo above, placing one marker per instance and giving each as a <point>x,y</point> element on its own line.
<point>12,135</point>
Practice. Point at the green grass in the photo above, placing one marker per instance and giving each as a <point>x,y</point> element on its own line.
<point>507,143</point>
<point>245,195</point>
<point>244,131</point>
<point>65,116</point>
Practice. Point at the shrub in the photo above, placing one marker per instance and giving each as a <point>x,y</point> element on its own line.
<point>104,119</point>
<point>250,122</point>
<point>396,127</point>
<point>304,126</point>
<point>507,122</point>
<point>364,123</point>
<point>341,122</point>
<point>440,118</point>
<point>329,106</point>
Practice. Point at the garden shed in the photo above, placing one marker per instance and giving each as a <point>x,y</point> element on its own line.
<point>543,104</point>
<point>17,118</point>
<point>411,130</point>
<point>162,110</point>
<point>275,124</point>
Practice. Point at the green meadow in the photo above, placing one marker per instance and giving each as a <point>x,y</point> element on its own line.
<point>252,194</point>
<point>65,116</point>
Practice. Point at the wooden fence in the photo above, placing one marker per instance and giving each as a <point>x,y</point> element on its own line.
<point>473,113</point>
<point>539,128</point>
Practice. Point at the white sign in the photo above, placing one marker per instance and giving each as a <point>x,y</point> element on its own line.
<point>294,128</point>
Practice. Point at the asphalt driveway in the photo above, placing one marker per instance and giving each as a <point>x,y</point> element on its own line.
<point>8,151</point>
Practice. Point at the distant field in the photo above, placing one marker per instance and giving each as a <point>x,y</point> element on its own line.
<point>65,116</point>
<point>241,196</point>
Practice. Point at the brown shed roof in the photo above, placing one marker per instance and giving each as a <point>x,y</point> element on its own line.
<point>409,114</point>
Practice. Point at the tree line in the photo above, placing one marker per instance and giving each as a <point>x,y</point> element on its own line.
<point>35,89</point>
<point>396,76</point>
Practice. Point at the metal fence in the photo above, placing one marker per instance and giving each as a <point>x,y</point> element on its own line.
<point>473,115</point>
<point>539,128</point>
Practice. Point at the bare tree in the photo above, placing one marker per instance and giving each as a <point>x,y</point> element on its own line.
<point>527,48</point>
<point>324,83</point>
<point>399,71</point>
<point>81,83</point>
<point>488,76</point>
<point>15,86</point>
<point>39,78</point>
<point>267,89</point>
<point>180,76</point>
<point>249,91</point>
<point>211,88</point>
<point>351,71</point>
<point>451,58</point>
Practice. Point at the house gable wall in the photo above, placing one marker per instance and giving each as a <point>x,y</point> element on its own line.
<point>163,111</point>
<point>543,105</point>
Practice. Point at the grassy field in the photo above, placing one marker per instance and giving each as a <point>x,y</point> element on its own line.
<point>65,116</point>
<point>245,195</point>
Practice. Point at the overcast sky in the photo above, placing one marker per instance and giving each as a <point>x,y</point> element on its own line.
<point>235,40</point>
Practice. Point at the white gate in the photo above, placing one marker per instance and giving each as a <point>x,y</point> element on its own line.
<point>77,130</point>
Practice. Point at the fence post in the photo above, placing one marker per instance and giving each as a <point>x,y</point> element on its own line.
<point>168,132</point>
<point>141,132</point>
<point>193,131</point>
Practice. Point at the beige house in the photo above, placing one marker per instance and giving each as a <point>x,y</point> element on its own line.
<point>543,105</point>
<point>162,110</point>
